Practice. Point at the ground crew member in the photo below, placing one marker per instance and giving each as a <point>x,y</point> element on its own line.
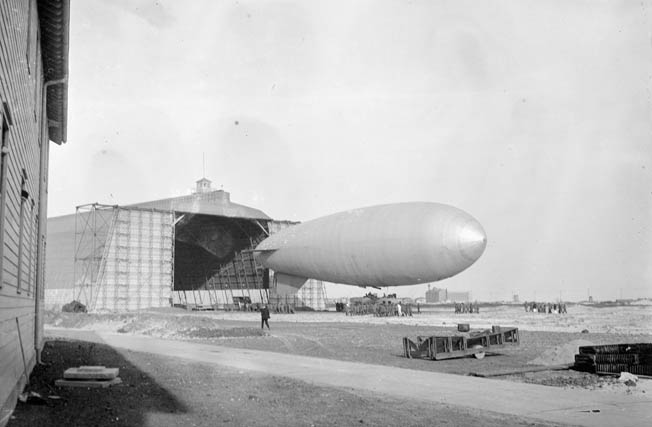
<point>264,316</point>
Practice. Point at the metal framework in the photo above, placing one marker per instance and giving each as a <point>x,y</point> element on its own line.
<point>233,285</point>
<point>93,223</point>
<point>313,294</point>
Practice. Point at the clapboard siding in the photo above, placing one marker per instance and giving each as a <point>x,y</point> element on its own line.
<point>21,88</point>
<point>14,299</point>
<point>13,370</point>
<point>19,92</point>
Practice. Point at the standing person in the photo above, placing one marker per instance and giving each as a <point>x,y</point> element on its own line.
<point>264,316</point>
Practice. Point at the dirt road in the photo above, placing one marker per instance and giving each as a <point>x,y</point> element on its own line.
<point>161,391</point>
<point>578,407</point>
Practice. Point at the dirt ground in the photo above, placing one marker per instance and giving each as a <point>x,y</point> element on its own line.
<point>344,338</point>
<point>161,391</point>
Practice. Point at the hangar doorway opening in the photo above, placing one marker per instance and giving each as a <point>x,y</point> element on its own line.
<point>214,254</point>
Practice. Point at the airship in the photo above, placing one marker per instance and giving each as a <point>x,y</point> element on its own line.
<point>385,245</point>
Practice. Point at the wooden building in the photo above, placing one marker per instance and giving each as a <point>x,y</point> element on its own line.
<point>33,112</point>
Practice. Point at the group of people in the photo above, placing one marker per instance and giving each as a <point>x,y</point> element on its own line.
<point>282,307</point>
<point>273,307</point>
<point>341,306</point>
<point>467,307</point>
<point>545,307</point>
<point>378,309</point>
<point>358,309</point>
<point>387,308</point>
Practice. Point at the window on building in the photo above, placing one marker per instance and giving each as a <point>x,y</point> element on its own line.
<point>29,42</point>
<point>24,198</point>
<point>5,121</point>
<point>31,247</point>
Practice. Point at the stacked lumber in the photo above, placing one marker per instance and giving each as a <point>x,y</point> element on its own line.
<point>615,358</point>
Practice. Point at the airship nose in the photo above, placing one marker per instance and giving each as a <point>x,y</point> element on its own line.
<point>472,240</point>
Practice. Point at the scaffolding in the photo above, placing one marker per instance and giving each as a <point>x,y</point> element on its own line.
<point>93,223</point>
<point>240,280</point>
<point>313,294</point>
<point>124,257</point>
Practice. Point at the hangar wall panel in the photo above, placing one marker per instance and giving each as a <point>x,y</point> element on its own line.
<point>138,267</point>
<point>134,264</point>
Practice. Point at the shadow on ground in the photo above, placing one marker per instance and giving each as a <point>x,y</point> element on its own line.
<point>126,404</point>
<point>165,391</point>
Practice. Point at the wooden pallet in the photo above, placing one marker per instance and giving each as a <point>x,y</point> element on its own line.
<point>448,347</point>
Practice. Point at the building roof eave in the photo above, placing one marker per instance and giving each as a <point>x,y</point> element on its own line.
<point>195,204</point>
<point>54,24</point>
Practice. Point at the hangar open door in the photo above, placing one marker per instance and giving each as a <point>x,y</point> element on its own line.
<point>215,254</point>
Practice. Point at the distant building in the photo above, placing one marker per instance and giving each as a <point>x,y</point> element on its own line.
<point>459,296</point>
<point>515,298</point>
<point>436,295</point>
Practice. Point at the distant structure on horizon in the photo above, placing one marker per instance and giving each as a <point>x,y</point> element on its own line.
<point>436,295</point>
<point>515,298</point>
<point>459,296</point>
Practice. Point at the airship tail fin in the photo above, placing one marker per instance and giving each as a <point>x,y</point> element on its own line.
<point>286,281</point>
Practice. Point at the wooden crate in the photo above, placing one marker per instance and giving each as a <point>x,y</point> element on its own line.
<point>452,346</point>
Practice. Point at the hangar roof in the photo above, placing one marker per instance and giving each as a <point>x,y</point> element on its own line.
<point>216,203</point>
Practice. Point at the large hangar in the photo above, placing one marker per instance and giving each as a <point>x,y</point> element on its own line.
<point>194,249</point>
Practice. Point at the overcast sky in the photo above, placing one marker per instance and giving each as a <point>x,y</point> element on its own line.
<point>533,116</point>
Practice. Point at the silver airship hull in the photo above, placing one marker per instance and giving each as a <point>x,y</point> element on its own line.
<point>386,245</point>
